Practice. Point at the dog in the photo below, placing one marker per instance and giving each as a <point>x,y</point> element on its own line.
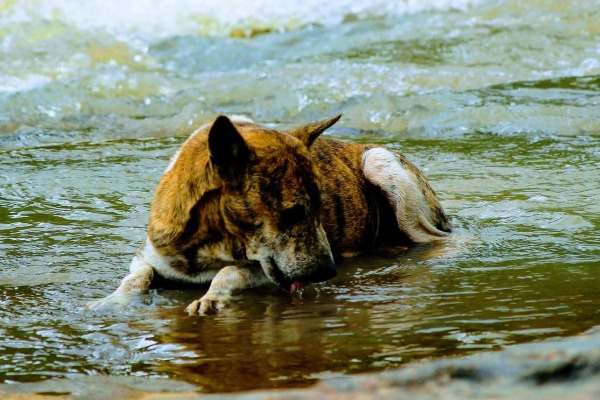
<point>241,205</point>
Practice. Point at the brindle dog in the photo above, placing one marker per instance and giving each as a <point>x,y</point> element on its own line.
<point>241,205</point>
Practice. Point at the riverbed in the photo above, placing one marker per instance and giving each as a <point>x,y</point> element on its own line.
<point>498,102</point>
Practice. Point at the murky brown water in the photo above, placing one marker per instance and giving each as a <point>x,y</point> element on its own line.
<point>498,101</point>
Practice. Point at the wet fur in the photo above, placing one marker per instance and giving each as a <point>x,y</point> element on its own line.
<point>241,205</point>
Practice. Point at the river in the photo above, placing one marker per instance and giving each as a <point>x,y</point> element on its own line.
<point>497,101</point>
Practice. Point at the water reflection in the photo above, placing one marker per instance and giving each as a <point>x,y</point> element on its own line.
<point>274,339</point>
<point>379,313</point>
<point>266,344</point>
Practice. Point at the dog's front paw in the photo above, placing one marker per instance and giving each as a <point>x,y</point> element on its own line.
<point>114,301</point>
<point>208,304</point>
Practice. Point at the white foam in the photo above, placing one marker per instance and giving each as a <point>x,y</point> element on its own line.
<point>163,18</point>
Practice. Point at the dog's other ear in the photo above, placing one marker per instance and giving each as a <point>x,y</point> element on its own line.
<point>228,150</point>
<point>308,133</point>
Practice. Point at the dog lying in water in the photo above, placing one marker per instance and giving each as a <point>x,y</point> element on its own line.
<point>241,205</point>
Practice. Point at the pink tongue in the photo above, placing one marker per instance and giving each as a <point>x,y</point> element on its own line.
<point>297,285</point>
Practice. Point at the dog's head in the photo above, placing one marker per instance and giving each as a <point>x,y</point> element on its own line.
<point>271,198</point>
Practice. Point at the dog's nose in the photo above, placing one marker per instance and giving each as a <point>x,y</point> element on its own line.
<point>325,271</point>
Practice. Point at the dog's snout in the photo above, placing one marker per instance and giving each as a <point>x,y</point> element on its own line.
<point>325,271</point>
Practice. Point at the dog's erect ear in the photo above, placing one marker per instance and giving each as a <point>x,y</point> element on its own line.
<point>228,150</point>
<point>308,133</point>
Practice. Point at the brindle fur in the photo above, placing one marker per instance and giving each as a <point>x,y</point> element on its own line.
<point>241,205</point>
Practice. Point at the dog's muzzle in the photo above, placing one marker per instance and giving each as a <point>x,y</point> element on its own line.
<point>325,270</point>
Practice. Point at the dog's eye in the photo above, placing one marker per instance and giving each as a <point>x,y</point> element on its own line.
<point>293,215</point>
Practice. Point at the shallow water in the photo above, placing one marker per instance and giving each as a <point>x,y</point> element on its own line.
<point>497,101</point>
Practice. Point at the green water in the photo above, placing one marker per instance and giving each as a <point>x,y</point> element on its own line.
<point>497,101</point>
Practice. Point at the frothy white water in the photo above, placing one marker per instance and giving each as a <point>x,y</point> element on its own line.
<point>163,18</point>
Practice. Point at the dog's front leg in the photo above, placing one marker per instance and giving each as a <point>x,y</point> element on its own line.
<point>228,280</point>
<point>138,281</point>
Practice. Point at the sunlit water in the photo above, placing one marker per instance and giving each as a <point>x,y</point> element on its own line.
<point>497,101</point>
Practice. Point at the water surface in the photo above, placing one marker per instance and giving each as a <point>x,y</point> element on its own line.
<point>497,101</point>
